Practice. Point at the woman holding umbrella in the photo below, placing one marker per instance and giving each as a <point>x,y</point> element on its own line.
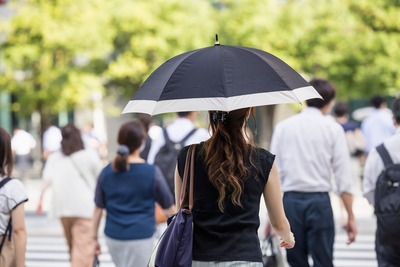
<point>231,174</point>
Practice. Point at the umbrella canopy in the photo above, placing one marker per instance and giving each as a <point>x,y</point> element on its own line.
<point>220,78</point>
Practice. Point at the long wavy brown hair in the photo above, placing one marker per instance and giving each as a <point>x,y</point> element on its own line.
<point>225,152</point>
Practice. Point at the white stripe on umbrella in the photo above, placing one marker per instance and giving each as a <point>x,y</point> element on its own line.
<point>220,103</point>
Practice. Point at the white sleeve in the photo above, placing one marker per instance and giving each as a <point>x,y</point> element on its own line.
<point>155,147</point>
<point>373,167</point>
<point>341,163</point>
<point>49,169</point>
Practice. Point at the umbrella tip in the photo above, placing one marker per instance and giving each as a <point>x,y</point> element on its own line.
<point>216,40</point>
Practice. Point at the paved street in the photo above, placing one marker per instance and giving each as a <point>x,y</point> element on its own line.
<point>46,245</point>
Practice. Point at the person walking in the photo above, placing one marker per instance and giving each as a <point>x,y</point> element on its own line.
<point>127,189</point>
<point>355,142</point>
<point>378,125</point>
<point>387,255</point>
<point>230,176</point>
<point>12,212</point>
<point>72,173</point>
<point>180,133</point>
<point>309,148</point>
<point>22,144</point>
<point>51,141</point>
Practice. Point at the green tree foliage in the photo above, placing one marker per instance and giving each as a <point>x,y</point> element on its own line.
<point>147,33</point>
<point>47,44</point>
<point>353,43</point>
<point>58,51</point>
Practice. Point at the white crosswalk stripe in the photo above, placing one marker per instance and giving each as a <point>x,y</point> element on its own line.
<point>359,254</point>
<point>46,251</point>
<point>51,251</point>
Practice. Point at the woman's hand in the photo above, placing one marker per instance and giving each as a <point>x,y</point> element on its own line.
<point>39,209</point>
<point>97,248</point>
<point>287,242</point>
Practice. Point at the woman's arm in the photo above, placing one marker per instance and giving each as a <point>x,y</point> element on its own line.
<point>46,184</point>
<point>178,185</point>
<point>96,223</point>
<point>277,216</point>
<point>19,234</point>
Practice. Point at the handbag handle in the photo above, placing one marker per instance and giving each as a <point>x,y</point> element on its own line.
<point>187,201</point>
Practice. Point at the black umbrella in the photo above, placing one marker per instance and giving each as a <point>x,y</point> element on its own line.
<point>221,78</point>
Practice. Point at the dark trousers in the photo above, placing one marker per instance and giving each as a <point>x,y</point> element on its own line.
<point>311,220</point>
<point>387,255</point>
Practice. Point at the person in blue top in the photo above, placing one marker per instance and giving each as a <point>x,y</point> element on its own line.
<point>127,189</point>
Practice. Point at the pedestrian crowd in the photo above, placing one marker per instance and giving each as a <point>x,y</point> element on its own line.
<point>311,155</point>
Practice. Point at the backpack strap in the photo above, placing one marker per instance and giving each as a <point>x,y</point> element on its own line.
<point>387,160</point>
<point>182,142</point>
<point>8,229</point>
<point>4,181</point>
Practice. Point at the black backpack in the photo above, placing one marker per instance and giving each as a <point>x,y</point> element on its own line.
<point>167,156</point>
<point>387,200</point>
<point>9,226</point>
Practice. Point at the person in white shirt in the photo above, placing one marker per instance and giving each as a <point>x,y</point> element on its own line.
<point>182,130</point>
<point>309,148</point>
<point>378,125</point>
<point>13,196</point>
<point>177,131</point>
<point>51,140</point>
<point>22,144</point>
<point>72,174</point>
<point>387,255</point>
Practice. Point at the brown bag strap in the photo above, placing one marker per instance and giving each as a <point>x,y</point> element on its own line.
<point>187,201</point>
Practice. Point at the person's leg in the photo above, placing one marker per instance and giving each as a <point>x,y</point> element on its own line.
<point>67,223</point>
<point>321,232</point>
<point>130,252</point>
<point>294,208</point>
<point>386,255</point>
<point>82,253</point>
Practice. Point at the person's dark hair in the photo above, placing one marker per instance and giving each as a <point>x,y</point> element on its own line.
<point>183,114</point>
<point>225,152</point>
<point>377,101</point>
<point>6,157</point>
<point>340,109</point>
<point>146,120</point>
<point>396,110</point>
<point>325,89</point>
<point>130,138</point>
<point>71,139</point>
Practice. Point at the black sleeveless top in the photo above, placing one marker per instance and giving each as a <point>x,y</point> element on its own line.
<point>232,235</point>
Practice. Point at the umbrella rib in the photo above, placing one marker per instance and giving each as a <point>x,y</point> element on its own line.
<point>275,72</point>
<point>188,54</point>
<point>223,77</point>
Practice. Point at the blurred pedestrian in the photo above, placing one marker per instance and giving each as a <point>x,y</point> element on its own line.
<point>355,142</point>
<point>309,148</point>
<point>22,144</point>
<point>90,137</point>
<point>12,213</point>
<point>378,125</point>
<point>153,133</point>
<point>72,173</point>
<point>51,141</point>
<point>387,255</point>
<point>127,189</point>
<point>230,176</point>
<point>180,133</point>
